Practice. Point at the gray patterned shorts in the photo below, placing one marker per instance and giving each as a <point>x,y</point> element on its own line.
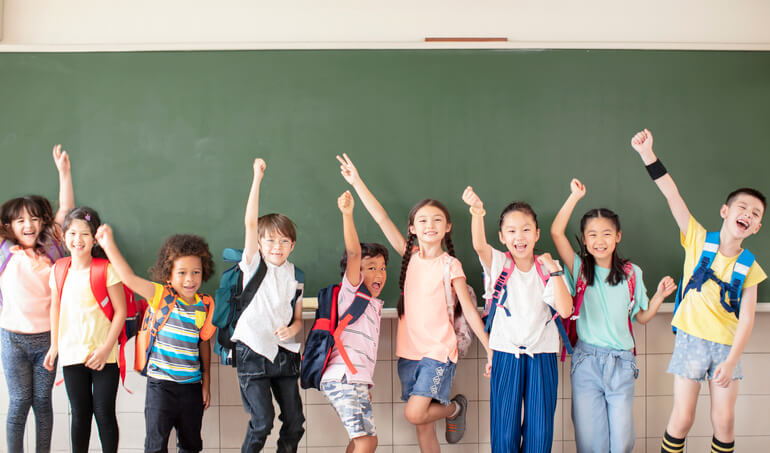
<point>353,405</point>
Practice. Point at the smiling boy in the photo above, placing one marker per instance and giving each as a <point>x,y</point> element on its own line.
<point>714,321</point>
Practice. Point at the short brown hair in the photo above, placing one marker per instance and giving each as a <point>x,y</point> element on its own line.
<point>272,223</point>
<point>177,246</point>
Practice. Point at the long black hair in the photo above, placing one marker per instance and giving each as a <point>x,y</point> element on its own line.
<point>617,268</point>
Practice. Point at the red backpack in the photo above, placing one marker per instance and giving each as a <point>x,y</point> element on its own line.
<point>135,308</point>
<point>570,324</point>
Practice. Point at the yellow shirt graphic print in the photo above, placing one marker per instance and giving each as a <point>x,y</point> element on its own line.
<point>200,318</point>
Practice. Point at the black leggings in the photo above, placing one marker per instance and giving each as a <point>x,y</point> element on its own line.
<point>93,393</point>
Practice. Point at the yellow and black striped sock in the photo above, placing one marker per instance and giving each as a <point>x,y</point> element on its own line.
<point>671,444</point>
<point>718,446</point>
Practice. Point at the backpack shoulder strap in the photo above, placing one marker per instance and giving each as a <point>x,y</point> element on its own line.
<point>208,329</point>
<point>98,280</point>
<point>710,248</point>
<point>628,269</point>
<point>351,315</point>
<point>540,271</point>
<point>252,286</point>
<point>448,294</point>
<point>5,254</point>
<point>580,290</point>
<point>163,312</point>
<point>740,271</point>
<point>60,269</point>
<point>299,275</point>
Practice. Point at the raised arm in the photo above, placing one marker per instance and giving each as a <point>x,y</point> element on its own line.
<point>251,242</point>
<point>66,193</point>
<point>141,286</point>
<point>665,288</point>
<point>352,245</point>
<point>642,143</point>
<point>478,235</point>
<point>350,173</point>
<point>559,225</point>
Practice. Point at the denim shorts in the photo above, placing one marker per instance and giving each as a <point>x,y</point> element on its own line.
<point>697,359</point>
<point>426,377</point>
<point>353,405</point>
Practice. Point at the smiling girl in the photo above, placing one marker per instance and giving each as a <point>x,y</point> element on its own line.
<point>603,364</point>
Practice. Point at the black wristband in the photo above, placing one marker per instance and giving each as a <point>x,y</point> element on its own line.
<point>557,273</point>
<point>656,169</point>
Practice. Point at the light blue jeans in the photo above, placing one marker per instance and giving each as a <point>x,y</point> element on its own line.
<point>603,399</point>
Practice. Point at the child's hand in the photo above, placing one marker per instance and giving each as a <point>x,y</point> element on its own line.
<point>206,392</point>
<point>550,265</point>
<point>642,141</point>
<point>284,333</point>
<point>348,170</point>
<point>345,202</point>
<point>62,159</point>
<point>49,363</point>
<point>488,366</point>
<point>259,168</point>
<point>98,358</point>
<point>577,189</point>
<point>666,286</point>
<point>104,236</point>
<point>471,199</point>
<point>723,375</point>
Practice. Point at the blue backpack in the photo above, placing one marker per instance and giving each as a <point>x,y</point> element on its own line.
<point>53,251</point>
<point>325,334</point>
<point>729,292</point>
<point>232,298</point>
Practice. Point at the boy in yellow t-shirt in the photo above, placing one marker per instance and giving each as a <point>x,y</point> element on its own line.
<point>709,339</point>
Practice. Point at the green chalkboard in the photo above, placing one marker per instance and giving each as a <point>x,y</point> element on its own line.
<point>163,142</point>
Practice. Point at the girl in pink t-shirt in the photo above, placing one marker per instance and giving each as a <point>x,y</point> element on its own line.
<point>426,341</point>
<point>29,244</point>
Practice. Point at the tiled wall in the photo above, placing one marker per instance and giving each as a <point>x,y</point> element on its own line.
<point>225,422</point>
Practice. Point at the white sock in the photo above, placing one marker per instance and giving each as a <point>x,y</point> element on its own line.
<point>457,410</point>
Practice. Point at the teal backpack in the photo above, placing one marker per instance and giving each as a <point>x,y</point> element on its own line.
<point>232,297</point>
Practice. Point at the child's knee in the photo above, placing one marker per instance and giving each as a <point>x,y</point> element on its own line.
<point>365,443</point>
<point>723,422</point>
<point>414,415</point>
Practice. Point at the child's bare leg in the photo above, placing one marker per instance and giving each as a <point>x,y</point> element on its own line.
<point>426,438</point>
<point>363,444</point>
<point>723,410</point>
<point>685,399</point>
<point>423,412</point>
<point>420,410</point>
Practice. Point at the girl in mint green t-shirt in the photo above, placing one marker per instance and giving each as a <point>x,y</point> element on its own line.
<point>603,364</point>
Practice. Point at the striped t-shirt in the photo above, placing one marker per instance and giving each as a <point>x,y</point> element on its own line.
<point>360,339</point>
<point>175,353</point>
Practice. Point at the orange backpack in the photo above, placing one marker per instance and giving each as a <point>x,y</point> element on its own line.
<point>154,320</point>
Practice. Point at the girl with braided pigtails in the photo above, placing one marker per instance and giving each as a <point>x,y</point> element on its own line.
<point>426,341</point>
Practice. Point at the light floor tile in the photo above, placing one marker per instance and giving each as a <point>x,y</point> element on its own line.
<point>640,338</point>
<point>324,428</point>
<point>756,368</point>
<point>385,344</point>
<point>640,383</point>
<point>229,389</point>
<point>466,379</point>
<point>383,390</point>
<point>383,421</point>
<point>134,401</point>
<point>210,428</point>
<point>659,382</point>
<point>658,336</point>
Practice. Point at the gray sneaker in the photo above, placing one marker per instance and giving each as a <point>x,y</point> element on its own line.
<point>455,427</point>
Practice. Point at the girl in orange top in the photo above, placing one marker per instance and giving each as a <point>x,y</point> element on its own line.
<point>426,341</point>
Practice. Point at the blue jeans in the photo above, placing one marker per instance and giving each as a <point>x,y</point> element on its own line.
<point>426,377</point>
<point>29,385</point>
<point>258,377</point>
<point>603,399</point>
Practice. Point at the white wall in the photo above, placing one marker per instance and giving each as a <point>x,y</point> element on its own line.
<point>55,25</point>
